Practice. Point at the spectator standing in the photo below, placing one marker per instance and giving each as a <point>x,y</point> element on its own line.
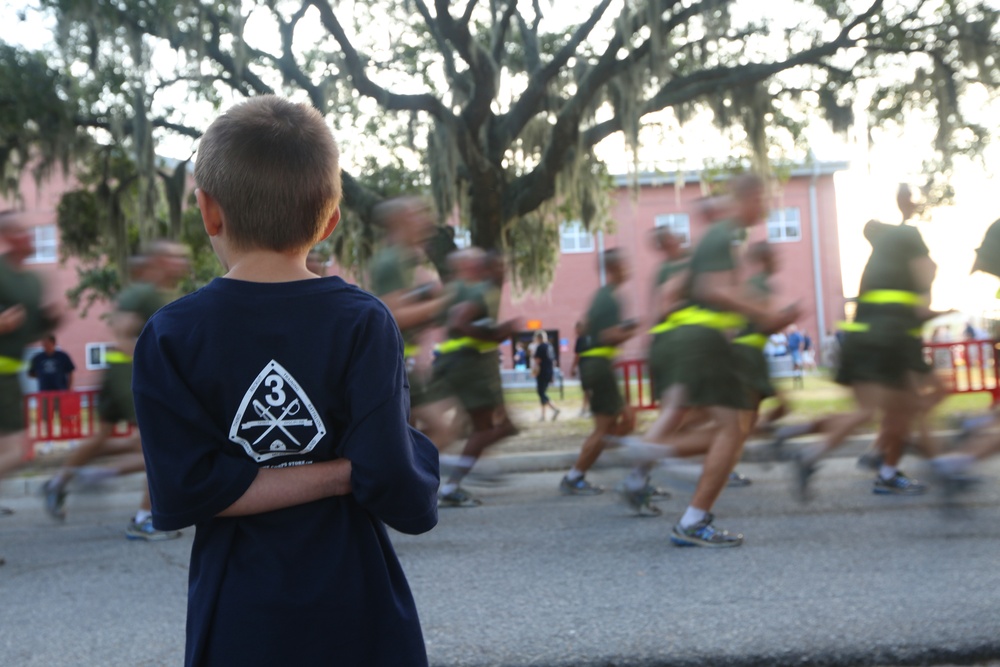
<point>543,368</point>
<point>52,367</point>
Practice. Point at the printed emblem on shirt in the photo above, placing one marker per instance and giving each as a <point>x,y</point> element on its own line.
<point>276,417</point>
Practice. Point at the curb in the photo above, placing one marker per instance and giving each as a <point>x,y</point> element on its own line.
<point>527,462</point>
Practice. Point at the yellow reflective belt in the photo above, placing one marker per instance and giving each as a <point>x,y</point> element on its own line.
<point>115,357</point>
<point>757,341</point>
<point>605,352</point>
<point>10,366</point>
<point>697,316</point>
<point>887,296</point>
<point>411,350</point>
<point>456,344</point>
<point>671,321</point>
<point>918,332</point>
<point>709,318</point>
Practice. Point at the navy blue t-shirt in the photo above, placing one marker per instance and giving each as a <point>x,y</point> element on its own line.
<point>239,376</point>
<point>52,372</point>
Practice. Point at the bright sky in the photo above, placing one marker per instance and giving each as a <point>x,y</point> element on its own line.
<point>953,233</point>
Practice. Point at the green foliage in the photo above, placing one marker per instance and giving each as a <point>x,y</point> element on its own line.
<point>37,125</point>
<point>493,109</point>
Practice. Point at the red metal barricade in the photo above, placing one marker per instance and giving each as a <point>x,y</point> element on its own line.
<point>63,416</point>
<point>637,389</point>
<point>964,367</point>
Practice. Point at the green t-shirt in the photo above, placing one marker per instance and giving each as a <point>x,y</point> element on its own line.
<point>22,288</point>
<point>392,270</point>
<point>143,299</point>
<point>604,313</point>
<point>760,285</point>
<point>669,269</point>
<point>888,268</point>
<point>714,253</point>
<point>479,295</point>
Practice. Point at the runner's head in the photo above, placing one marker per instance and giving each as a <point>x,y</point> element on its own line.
<point>406,220</point>
<point>268,176</point>
<point>749,195</point>
<point>907,201</point>
<point>615,266</point>
<point>17,238</point>
<point>667,242</point>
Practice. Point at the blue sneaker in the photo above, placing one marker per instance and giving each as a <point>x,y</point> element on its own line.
<point>580,487</point>
<point>703,534</point>
<point>898,485</point>
<point>55,500</point>
<point>145,531</point>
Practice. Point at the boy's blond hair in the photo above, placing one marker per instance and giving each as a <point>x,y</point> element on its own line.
<point>273,167</point>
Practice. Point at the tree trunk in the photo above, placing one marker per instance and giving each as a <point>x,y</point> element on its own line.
<point>486,193</point>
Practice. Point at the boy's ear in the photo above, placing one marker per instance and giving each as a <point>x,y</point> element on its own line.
<point>211,212</point>
<point>331,224</point>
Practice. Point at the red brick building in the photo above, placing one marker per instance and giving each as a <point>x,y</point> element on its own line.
<point>802,226</point>
<point>83,338</point>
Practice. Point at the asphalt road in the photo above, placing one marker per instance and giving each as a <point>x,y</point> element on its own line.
<point>533,578</point>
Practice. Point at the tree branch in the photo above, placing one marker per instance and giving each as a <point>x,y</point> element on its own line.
<point>514,120</point>
<point>500,31</point>
<point>457,80</point>
<point>538,185</point>
<point>126,127</point>
<point>364,85</point>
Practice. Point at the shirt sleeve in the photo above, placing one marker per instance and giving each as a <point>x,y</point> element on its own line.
<point>191,475</point>
<point>715,253</point>
<point>394,468</point>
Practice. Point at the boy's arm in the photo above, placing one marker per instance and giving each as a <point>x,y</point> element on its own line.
<point>278,488</point>
<point>394,468</point>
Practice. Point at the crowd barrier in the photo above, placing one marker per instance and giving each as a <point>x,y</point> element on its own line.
<point>63,417</point>
<point>963,367</point>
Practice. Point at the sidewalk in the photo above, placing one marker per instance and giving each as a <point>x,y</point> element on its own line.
<point>524,453</point>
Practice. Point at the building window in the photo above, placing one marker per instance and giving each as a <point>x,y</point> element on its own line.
<point>783,225</point>
<point>97,355</point>
<point>574,238</point>
<point>463,237</point>
<point>46,245</point>
<point>679,225</point>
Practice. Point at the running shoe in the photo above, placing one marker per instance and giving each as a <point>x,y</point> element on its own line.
<point>580,487</point>
<point>640,501</point>
<point>458,498</point>
<point>6,511</point>
<point>738,479</point>
<point>898,485</point>
<point>803,470</point>
<point>555,414</point>
<point>145,531</point>
<point>704,534</point>
<point>55,500</point>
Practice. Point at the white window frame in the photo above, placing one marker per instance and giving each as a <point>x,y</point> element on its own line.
<point>102,350</point>
<point>46,245</point>
<point>574,239</point>
<point>780,220</point>
<point>679,225</point>
<point>463,237</point>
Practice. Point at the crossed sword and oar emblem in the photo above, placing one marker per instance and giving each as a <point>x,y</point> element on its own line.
<point>279,422</point>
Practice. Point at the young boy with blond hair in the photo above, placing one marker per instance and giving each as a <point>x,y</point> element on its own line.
<point>273,410</point>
